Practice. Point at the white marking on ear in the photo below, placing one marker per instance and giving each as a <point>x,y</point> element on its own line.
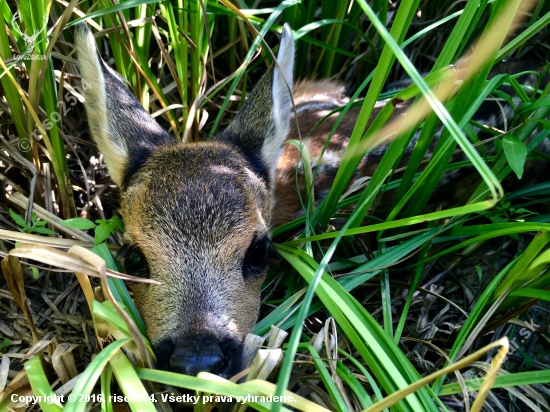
<point>114,149</point>
<point>282,107</point>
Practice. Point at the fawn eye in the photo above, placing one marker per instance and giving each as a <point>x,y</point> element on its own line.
<point>135,263</point>
<point>255,260</point>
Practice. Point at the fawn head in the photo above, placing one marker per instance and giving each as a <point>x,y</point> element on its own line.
<point>197,215</point>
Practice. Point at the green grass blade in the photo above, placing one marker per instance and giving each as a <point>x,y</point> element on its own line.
<point>348,377</point>
<point>240,72</point>
<point>130,384</point>
<point>351,157</point>
<point>502,381</point>
<point>531,293</point>
<point>324,374</point>
<point>118,287</point>
<point>41,387</point>
<point>89,377</point>
<point>393,369</point>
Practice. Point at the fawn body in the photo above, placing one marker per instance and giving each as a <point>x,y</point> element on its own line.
<point>198,216</point>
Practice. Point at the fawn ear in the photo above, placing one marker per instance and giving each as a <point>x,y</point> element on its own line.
<point>124,132</point>
<point>262,124</point>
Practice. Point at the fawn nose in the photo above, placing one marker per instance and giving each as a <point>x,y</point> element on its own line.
<point>200,353</point>
<point>192,358</point>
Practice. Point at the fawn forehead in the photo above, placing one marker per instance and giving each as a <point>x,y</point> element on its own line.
<point>185,193</point>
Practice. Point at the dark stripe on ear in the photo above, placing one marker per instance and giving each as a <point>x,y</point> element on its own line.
<point>128,118</point>
<point>124,131</point>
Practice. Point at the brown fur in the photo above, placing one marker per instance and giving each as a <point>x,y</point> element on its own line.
<point>197,216</point>
<point>209,205</point>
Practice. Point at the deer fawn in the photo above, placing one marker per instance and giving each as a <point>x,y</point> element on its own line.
<point>198,216</point>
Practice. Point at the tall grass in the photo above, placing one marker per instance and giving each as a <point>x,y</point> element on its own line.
<point>191,63</point>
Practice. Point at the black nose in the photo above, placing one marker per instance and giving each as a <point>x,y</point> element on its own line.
<point>193,358</point>
<point>203,352</point>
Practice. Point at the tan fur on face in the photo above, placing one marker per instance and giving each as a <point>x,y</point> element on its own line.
<point>194,231</point>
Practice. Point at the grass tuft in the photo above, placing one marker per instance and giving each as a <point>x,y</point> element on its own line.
<point>412,303</point>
